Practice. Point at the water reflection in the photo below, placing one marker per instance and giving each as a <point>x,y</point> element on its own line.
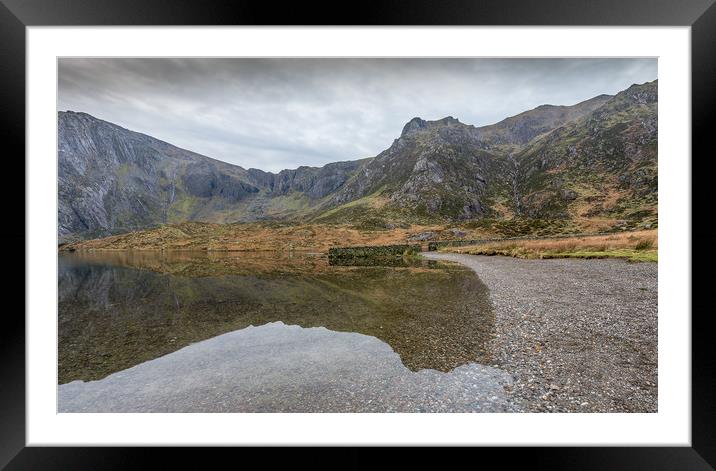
<point>280,368</point>
<point>120,309</point>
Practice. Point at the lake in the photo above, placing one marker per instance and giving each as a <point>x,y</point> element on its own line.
<point>272,332</point>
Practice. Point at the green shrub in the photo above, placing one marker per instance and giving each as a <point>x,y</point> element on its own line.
<point>644,245</point>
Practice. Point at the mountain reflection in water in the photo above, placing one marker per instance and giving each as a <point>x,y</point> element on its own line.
<point>280,368</point>
<point>120,309</point>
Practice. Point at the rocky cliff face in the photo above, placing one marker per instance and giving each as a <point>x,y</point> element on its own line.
<point>434,168</point>
<point>592,161</point>
<point>113,180</point>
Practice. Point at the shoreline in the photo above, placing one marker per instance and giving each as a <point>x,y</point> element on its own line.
<point>577,335</point>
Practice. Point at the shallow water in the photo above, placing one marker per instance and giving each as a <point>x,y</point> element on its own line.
<point>324,338</point>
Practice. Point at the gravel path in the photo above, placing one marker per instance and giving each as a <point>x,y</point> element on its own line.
<point>577,335</point>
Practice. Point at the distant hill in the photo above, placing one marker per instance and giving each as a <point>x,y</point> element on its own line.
<point>589,166</point>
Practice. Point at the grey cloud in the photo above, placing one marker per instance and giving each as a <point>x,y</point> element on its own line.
<point>282,113</point>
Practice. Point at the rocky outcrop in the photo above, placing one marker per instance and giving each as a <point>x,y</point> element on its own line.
<point>315,182</point>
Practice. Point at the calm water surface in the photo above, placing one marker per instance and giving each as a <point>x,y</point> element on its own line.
<point>186,332</point>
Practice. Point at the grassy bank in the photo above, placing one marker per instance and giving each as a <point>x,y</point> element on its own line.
<point>268,236</point>
<point>638,246</point>
<point>245,237</point>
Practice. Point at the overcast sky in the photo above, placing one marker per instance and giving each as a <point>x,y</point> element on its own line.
<point>281,113</point>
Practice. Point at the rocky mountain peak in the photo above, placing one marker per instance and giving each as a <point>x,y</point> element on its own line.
<point>642,93</point>
<point>414,125</point>
<point>80,117</point>
<point>448,121</point>
<point>417,125</point>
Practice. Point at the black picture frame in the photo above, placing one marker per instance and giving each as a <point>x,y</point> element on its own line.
<point>16,15</point>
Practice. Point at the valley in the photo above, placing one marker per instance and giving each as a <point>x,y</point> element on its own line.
<point>458,270</point>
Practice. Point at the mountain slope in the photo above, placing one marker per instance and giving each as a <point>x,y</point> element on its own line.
<point>449,171</point>
<point>113,180</point>
<point>522,128</point>
<point>434,169</point>
<point>603,164</point>
<point>590,166</point>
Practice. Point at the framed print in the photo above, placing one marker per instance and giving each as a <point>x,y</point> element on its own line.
<point>465,226</point>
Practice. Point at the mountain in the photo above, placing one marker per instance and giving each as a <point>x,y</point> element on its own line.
<point>589,166</point>
<point>113,180</point>
<point>607,161</point>
<point>524,127</point>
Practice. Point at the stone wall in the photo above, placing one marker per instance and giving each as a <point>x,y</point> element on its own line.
<point>346,255</point>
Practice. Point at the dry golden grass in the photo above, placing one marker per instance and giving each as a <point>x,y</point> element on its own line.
<point>622,240</point>
<point>241,237</point>
<point>503,210</point>
<point>257,237</point>
<point>320,237</point>
<point>636,246</point>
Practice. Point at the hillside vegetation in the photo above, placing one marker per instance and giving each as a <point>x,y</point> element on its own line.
<point>637,246</point>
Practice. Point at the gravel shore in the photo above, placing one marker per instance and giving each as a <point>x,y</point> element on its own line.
<point>577,335</point>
